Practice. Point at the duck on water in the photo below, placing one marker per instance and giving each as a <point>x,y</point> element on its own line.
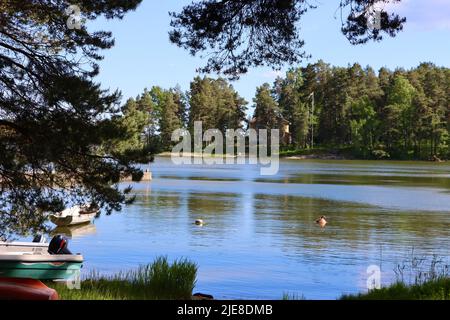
<point>322,221</point>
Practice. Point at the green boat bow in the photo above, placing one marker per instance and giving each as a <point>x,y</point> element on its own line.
<point>31,261</point>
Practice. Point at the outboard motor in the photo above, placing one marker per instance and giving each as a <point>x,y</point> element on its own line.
<point>59,245</point>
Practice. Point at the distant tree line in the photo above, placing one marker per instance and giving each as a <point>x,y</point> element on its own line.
<point>212,101</point>
<point>393,114</point>
<point>401,114</point>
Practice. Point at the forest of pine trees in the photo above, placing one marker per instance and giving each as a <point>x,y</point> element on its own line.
<point>401,114</point>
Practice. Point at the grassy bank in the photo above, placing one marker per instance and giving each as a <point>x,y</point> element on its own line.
<point>418,278</point>
<point>433,290</point>
<point>157,281</point>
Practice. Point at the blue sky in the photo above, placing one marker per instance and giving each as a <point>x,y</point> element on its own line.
<point>143,55</point>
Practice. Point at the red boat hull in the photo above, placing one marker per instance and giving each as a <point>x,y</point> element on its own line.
<point>25,289</point>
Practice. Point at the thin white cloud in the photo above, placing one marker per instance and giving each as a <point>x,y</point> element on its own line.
<point>425,15</point>
<point>273,74</point>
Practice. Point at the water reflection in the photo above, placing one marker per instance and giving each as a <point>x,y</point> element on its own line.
<point>260,237</point>
<point>76,231</point>
<point>362,178</point>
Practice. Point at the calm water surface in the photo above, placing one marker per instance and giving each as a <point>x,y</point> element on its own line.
<point>260,239</point>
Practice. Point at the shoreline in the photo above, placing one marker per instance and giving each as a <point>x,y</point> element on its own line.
<point>336,157</point>
<point>314,156</point>
<point>126,289</point>
<point>320,157</point>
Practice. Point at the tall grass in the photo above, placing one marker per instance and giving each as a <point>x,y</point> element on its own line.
<point>293,297</point>
<point>417,279</point>
<point>432,290</point>
<point>417,271</point>
<point>157,281</point>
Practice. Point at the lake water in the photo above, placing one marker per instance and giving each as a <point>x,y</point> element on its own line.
<point>260,239</point>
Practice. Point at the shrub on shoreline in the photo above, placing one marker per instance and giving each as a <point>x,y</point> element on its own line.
<point>157,281</point>
<point>433,290</point>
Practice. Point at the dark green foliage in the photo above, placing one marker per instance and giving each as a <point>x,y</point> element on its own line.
<point>55,121</point>
<point>398,114</point>
<point>172,116</point>
<point>133,122</point>
<point>216,104</point>
<point>267,113</point>
<point>295,107</point>
<point>353,110</point>
<point>212,101</point>
<point>392,115</point>
<point>238,34</point>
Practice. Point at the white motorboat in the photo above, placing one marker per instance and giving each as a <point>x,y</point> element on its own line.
<point>75,216</point>
<point>41,261</point>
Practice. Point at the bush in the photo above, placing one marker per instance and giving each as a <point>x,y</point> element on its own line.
<point>433,290</point>
<point>157,281</point>
<point>169,281</point>
<point>416,280</point>
<point>381,155</point>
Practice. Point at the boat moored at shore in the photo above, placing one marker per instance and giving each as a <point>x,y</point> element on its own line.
<point>35,261</point>
<point>76,215</point>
